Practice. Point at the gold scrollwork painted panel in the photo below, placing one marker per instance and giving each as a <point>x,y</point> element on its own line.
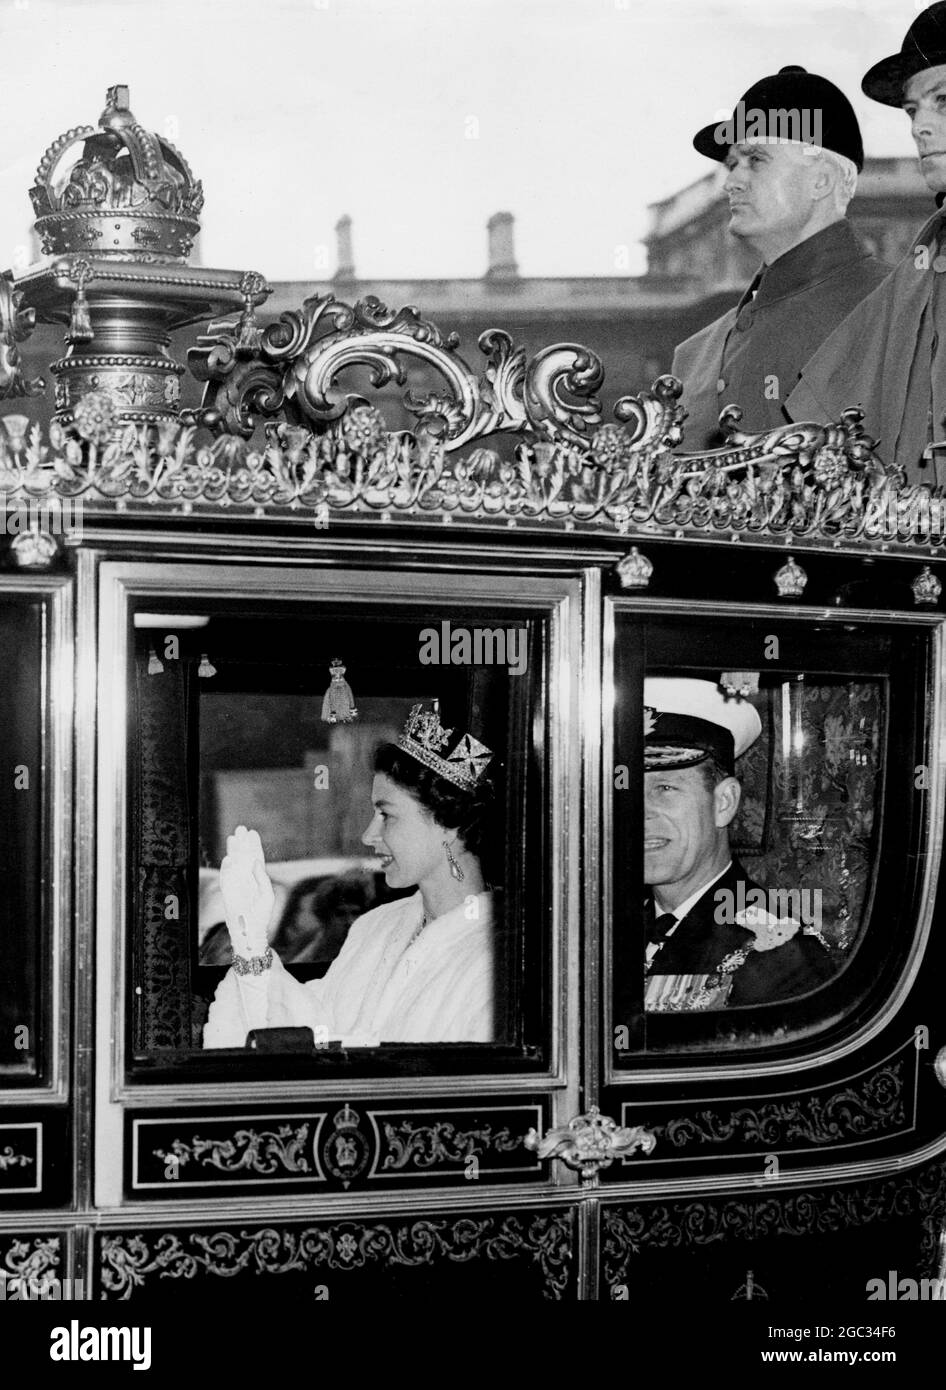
<point>413,1143</point>
<point>743,1247</point>
<point>533,1251</point>
<point>21,1158</point>
<point>248,1149</point>
<point>874,1106</point>
<point>342,1146</point>
<point>28,1263</point>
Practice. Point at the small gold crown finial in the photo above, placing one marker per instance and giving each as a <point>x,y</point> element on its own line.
<point>129,195</point>
<point>926,587</point>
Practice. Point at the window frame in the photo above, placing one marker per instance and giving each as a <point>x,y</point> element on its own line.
<point>840,1034</point>
<point>47,1080</point>
<point>557,598</point>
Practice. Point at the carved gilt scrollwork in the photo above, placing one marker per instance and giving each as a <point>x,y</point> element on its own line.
<point>16,325</point>
<point>590,1142</point>
<point>326,450</point>
<point>762,491</point>
<point>292,368</point>
<point>655,417</point>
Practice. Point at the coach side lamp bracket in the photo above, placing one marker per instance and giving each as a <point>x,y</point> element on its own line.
<point>590,1143</point>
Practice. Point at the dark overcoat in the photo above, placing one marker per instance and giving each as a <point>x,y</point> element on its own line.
<point>752,356</point>
<point>888,358</point>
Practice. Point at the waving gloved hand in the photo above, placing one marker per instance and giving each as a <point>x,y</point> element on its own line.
<point>248,897</point>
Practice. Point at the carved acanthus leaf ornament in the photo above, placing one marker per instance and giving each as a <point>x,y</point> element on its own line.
<point>285,436</point>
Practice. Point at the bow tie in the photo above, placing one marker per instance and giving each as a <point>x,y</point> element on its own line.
<point>661,926</point>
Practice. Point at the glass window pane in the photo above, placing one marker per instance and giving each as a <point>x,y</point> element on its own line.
<point>21,810</point>
<point>779,825</point>
<point>394,883</point>
<point>776,846</point>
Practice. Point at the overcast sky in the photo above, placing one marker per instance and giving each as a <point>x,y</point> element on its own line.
<point>420,118</point>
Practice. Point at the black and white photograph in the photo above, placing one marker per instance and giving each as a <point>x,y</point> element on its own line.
<point>473,673</point>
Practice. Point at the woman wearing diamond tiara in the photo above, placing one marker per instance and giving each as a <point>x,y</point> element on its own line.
<point>419,969</point>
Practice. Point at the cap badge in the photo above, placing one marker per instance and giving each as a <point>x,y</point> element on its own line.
<point>650,719</point>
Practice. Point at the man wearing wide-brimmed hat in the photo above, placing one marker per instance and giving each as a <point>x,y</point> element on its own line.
<point>889,355</point>
<point>715,938</point>
<point>793,151</point>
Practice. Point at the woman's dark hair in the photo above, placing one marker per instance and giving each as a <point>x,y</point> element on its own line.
<point>450,806</point>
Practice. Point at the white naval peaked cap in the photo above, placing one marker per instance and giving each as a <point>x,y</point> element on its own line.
<point>698,719</point>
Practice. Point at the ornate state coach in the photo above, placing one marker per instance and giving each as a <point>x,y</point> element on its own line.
<point>175,584</point>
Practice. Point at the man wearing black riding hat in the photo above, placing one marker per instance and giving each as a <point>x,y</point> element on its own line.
<point>793,150</point>
<point>889,356</point>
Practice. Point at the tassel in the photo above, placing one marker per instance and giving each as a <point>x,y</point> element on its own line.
<point>740,684</point>
<point>338,703</point>
<point>205,669</point>
<point>80,324</point>
<point>155,664</point>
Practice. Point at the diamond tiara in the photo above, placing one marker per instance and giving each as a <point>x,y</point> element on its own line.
<point>424,735</point>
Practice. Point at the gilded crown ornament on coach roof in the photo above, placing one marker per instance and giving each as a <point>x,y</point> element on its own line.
<point>117,209</point>
<point>130,195</point>
<point>424,736</point>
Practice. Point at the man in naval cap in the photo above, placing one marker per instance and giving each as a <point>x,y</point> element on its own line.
<point>793,152</point>
<point>711,942</point>
<point>889,356</point>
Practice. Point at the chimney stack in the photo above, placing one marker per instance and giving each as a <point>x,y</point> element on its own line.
<point>502,255</point>
<point>346,256</point>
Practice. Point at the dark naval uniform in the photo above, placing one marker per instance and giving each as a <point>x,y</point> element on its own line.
<point>752,356</point>
<point>708,964</point>
<point>889,359</point>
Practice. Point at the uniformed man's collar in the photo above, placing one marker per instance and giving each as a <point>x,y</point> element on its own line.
<point>690,902</point>
<point>811,260</point>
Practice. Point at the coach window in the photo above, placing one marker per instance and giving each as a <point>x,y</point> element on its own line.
<point>763,809</point>
<point>367,759</point>
<point>36,663</point>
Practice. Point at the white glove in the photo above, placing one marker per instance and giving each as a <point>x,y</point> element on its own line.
<point>248,897</point>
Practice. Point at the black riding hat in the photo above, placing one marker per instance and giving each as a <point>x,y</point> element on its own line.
<point>792,100</point>
<point>924,47</point>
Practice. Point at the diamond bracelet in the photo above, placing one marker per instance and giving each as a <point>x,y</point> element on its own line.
<point>253,965</point>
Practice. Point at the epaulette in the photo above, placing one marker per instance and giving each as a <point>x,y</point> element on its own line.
<point>769,931</point>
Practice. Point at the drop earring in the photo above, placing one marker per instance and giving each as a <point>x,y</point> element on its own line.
<point>455,870</point>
